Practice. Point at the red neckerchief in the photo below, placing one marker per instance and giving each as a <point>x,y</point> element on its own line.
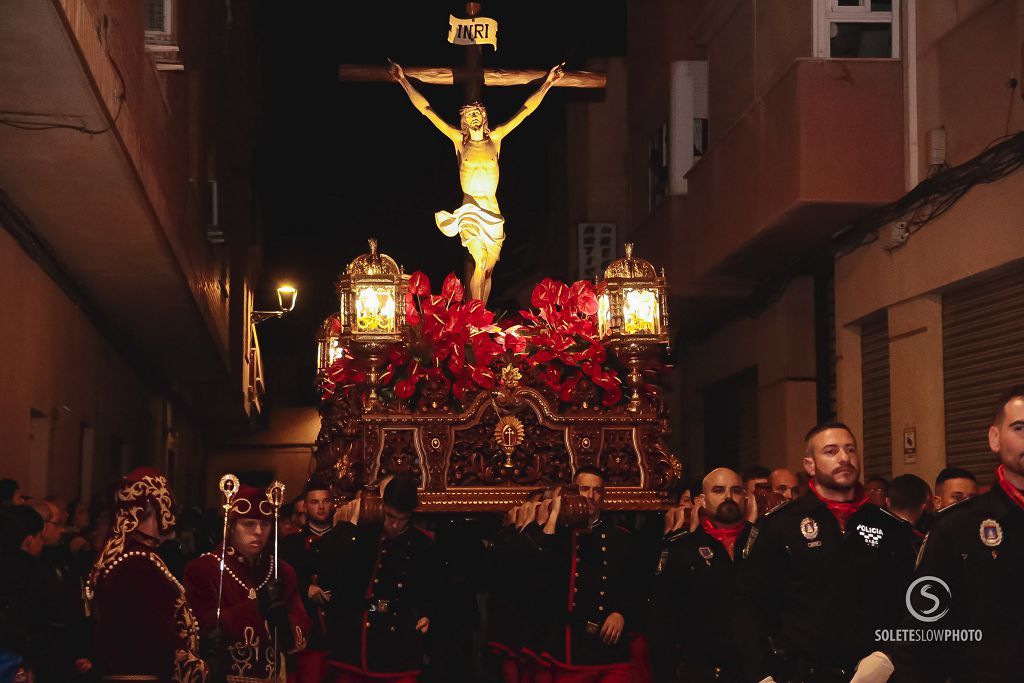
<point>1012,491</point>
<point>724,535</point>
<point>842,510</point>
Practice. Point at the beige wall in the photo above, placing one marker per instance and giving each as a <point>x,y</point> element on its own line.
<point>966,53</point>
<point>284,447</point>
<point>57,363</point>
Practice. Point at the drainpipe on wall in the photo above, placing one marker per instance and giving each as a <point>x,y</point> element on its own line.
<point>910,95</point>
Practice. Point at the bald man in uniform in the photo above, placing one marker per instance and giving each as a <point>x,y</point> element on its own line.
<point>692,626</point>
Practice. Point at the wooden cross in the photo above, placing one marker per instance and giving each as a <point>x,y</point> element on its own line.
<point>472,75</point>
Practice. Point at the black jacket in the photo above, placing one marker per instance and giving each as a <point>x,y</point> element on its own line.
<point>592,573</point>
<point>513,595</point>
<point>363,568</point>
<point>815,594</point>
<point>300,550</point>
<point>692,620</point>
<point>977,548</point>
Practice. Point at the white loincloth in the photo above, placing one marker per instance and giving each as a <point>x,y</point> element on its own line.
<point>482,232</point>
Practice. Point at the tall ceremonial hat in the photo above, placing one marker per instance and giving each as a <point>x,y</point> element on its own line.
<point>251,503</point>
<point>141,487</point>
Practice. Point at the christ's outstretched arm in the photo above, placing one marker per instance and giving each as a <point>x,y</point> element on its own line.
<point>421,104</point>
<point>531,103</point>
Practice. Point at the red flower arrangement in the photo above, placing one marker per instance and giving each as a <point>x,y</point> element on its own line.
<point>457,345</point>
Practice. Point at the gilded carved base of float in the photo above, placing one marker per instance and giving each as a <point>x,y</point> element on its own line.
<point>503,446</point>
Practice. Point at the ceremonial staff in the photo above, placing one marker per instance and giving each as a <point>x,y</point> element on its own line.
<point>275,496</point>
<point>228,487</point>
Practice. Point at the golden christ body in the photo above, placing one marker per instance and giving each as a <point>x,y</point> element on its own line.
<point>478,222</point>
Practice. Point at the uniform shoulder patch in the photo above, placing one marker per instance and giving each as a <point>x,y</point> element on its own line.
<point>959,505</point>
<point>750,542</point>
<point>920,554</point>
<point>776,509</point>
<point>676,535</point>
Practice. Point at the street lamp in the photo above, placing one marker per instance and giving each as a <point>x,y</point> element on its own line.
<point>372,311</point>
<point>632,315</point>
<point>286,297</point>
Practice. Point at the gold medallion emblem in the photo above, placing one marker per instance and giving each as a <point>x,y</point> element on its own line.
<point>809,528</point>
<point>509,433</point>
<point>991,533</point>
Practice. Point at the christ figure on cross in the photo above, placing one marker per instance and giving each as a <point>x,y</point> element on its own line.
<point>478,222</point>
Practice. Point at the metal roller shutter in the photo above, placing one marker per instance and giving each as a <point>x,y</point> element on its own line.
<point>982,356</point>
<point>876,444</point>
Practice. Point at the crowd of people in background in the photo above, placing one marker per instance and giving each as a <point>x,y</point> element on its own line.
<point>760,575</point>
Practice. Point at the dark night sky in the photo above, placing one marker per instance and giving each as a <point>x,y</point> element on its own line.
<point>341,162</point>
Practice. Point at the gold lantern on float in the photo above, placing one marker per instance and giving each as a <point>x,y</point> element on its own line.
<point>328,344</point>
<point>632,315</point>
<point>372,312</point>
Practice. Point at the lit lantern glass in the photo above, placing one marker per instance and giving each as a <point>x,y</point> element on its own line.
<point>375,310</point>
<point>329,347</point>
<point>604,314</point>
<point>640,311</point>
<point>371,295</point>
<point>631,303</point>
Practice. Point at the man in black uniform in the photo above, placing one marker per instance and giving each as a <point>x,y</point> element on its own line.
<point>380,583</point>
<point>593,586</point>
<point>510,558</point>
<point>976,548</point>
<point>300,551</point>
<point>815,569</point>
<point>694,578</point>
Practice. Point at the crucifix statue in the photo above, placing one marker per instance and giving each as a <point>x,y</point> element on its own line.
<point>478,222</point>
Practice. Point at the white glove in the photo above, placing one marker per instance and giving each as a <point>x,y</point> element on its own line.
<point>875,668</point>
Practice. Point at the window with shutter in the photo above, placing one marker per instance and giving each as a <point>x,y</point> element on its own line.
<point>876,442</point>
<point>982,356</point>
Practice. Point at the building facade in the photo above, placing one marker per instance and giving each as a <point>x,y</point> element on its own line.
<point>814,178</point>
<point>130,238</point>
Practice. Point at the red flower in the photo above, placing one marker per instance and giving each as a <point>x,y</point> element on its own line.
<point>552,377</point>
<point>483,376</point>
<point>405,388</point>
<point>398,356</point>
<point>611,396</point>
<point>568,387</point>
<point>419,284</point>
<point>387,375</point>
<point>451,290</point>
<point>461,387</point>
<point>437,375</point>
<point>582,298</point>
<point>476,314</point>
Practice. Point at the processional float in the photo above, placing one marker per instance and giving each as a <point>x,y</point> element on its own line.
<point>483,412</point>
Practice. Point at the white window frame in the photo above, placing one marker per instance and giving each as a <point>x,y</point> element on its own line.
<point>827,12</point>
<point>166,36</point>
<point>162,46</point>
